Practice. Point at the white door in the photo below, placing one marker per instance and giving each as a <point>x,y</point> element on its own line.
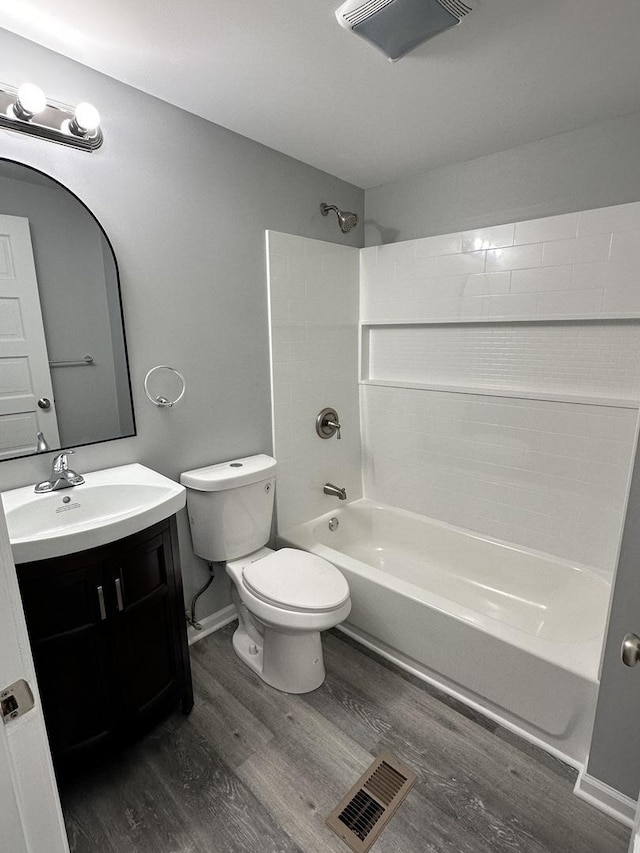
<point>10,822</point>
<point>24,364</point>
<point>30,814</point>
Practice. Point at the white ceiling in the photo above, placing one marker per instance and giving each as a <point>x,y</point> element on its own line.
<point>284,73</point>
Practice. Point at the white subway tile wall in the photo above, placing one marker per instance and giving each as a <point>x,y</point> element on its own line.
<point>547,476</point>
<point>590,359</point>
<point>540,474</point>
<point>314,333</point>
<point>594,252</point>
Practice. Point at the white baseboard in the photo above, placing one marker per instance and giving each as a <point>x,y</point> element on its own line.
<point>212,623</point>
<point>604,797</point>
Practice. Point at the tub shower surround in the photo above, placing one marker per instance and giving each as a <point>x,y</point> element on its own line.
<point>510,359</point>
<point>574,265</point>
<point>499,376</point>
<point>313,296</point>
<point>550,476</point>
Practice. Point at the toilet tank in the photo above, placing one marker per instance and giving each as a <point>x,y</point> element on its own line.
<point>230,506</point>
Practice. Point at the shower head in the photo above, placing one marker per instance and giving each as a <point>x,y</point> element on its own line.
<point>346,220</point>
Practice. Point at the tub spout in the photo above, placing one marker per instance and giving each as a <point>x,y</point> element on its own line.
<point>335,491</point>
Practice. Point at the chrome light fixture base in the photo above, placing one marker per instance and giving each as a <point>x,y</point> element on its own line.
<point>47,124</point>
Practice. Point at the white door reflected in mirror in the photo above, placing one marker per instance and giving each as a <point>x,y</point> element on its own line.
<point>25,378</point>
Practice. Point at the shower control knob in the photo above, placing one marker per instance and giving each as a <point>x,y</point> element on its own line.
<point>328,424</point>
<point>630,650</point>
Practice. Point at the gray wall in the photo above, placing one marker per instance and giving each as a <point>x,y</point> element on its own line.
<point>185,204</point>
<point>592,167</point>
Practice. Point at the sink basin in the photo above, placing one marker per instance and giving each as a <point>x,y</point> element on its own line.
<point>110,504</point>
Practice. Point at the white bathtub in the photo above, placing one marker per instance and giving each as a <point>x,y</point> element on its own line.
<point>513,633</point>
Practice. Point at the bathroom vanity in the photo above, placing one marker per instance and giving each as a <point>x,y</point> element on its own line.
<point>108,636</point>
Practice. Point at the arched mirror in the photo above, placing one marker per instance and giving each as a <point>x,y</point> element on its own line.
<point>63,357</point>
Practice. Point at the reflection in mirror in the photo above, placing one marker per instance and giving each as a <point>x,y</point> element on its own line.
<point>63,361</point>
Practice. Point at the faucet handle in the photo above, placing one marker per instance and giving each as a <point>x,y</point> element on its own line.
<point>328,423</point>
<point>336,426</point>
<point>60,462</point>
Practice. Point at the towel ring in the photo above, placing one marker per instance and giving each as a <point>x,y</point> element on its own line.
<point>162,401</point>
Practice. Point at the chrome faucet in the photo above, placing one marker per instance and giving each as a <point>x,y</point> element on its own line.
<point>335,491</point>
<point>62,477</point>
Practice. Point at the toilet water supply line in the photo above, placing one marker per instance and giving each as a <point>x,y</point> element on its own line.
<point>191,613</point>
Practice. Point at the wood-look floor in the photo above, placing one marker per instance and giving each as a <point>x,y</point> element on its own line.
<point>255,770</point>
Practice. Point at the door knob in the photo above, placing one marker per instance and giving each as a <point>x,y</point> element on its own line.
<point>44,403</point>
<point>630,650</point>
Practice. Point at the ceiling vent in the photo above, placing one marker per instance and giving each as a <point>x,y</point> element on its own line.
<point>398,26</point>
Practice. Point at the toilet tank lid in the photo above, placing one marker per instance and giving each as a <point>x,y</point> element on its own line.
<point>230,475</point>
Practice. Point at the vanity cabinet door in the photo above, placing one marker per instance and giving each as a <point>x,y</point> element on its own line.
<point>108,633</point>
<point>147,651</point>
<point>65,604</point>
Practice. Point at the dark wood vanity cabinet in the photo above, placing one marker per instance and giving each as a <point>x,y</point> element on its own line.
<point>108,635</point>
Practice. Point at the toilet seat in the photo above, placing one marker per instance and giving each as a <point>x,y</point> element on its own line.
<point>296,580</point>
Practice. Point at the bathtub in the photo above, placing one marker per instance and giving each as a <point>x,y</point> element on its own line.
<point>513,633</point>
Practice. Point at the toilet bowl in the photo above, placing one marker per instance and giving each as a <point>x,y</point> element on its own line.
<point>284,598</point>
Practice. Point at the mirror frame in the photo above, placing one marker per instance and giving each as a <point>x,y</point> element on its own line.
<point>121,310</point>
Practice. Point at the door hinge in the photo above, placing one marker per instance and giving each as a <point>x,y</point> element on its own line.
<point>15,700</point>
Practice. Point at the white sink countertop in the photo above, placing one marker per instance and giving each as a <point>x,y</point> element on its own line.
<point>109,505</point>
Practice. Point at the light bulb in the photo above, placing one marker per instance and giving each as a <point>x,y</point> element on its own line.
<point>30,100</point>
<point>86,117</point>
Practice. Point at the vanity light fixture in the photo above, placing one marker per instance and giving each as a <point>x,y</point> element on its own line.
<point>27,110</point>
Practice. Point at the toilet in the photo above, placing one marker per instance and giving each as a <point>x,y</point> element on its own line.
<point>284,598</point>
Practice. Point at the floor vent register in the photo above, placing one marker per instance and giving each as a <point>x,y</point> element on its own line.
<point>364,811</point>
